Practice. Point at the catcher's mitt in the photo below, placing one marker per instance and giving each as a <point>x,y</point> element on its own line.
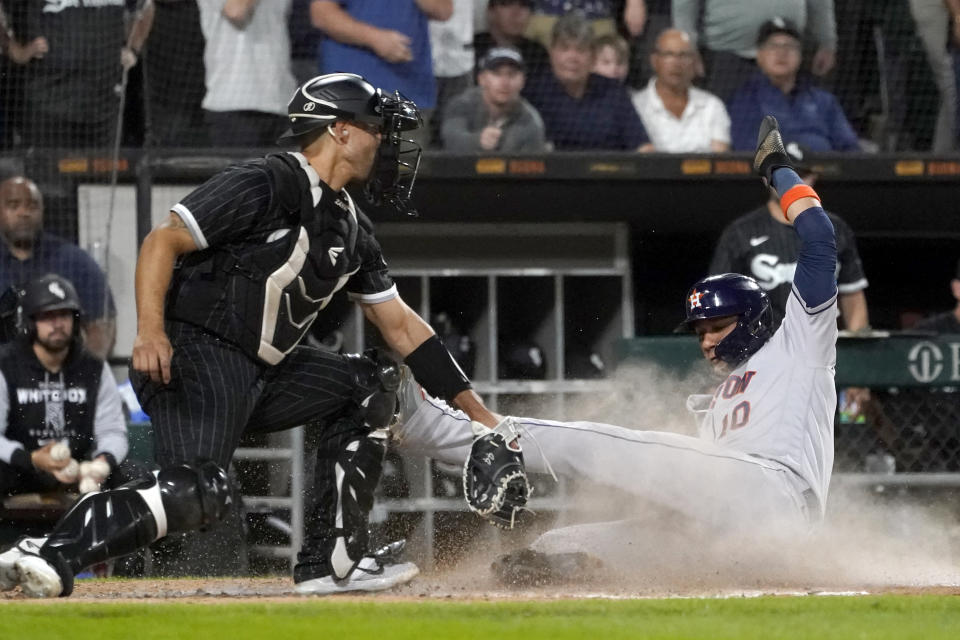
<point>494,480</point>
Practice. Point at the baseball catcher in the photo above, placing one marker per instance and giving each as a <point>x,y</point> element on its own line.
<point>227,286</point>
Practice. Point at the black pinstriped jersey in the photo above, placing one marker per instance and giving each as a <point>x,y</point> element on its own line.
<point>756,245</point>
<point>275,243</point>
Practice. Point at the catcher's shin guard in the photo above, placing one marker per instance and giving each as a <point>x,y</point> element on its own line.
<point>115,523</point>
<point>337,537</point>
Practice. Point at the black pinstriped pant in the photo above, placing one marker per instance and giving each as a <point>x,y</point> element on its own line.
<point>217,394</point>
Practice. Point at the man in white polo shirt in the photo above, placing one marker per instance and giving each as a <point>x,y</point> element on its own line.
<point>248,77</point>
<point>679,117</point>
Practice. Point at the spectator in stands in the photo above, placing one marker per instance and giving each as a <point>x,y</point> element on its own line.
<point>248,77</point>
<point>600,13</point>
<point>580,109</point>
<point>808,116</point>
<point>929,17</point>
<point>493,116</point>
<point>679,117</point>
<point>28,252</point>
<point>451,43</point>
<point>304,41</point>
<point>612,57</point>
<point>948,321</point>
<point>74,57</point>
<point>726,32</point>
<point>507,21</point>
<point>54,391</point>
<point>174,77</point>
<point>385,42</point>
<point>20,53</point>
<point>757,246</point>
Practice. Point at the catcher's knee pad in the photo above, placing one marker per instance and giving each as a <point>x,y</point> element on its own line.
<point>106,525</point>
<point>376,380</point>
<point>193,496</point>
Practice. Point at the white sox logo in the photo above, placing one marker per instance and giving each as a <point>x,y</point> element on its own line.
<point>769,272</point>
<point>57,290</point>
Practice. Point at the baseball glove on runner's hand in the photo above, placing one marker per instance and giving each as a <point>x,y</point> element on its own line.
<point>495,483</point>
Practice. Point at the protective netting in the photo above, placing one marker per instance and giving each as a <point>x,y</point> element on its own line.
<point>891,66</point>
<point>902,430</point>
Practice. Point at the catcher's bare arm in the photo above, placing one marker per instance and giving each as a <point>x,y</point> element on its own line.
<point>160,250</point>
<point>406,332</point>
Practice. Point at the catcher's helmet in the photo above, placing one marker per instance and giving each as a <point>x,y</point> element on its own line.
<point>48,293</point>
<point>732,294</point>
<point>327,99</point>
<point>334,97</point>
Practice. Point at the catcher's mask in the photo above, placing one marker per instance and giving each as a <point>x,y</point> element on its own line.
<point>732,294</point>
<point>398,159</point>
<point>329,98</point>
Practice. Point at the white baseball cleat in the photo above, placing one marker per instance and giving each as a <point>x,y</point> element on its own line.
<point>9,574</point>
<point>369,575</point>
<point>38,578</point>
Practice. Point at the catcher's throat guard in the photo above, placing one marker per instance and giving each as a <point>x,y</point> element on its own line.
<point>395,169</point>
<point>495,482</point>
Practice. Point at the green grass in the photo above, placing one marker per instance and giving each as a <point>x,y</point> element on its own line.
<point>769,618</point>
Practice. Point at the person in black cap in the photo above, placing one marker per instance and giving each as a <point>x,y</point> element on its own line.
<point>948,321</point>
<point>493,116</point>
<point>725,31</point>
<point>808,116</point>
<point>55,392</point>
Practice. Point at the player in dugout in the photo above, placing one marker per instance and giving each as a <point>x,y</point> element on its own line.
<point>764,455</point>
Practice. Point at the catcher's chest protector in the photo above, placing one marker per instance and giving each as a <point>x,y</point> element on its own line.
<point>264,294</point>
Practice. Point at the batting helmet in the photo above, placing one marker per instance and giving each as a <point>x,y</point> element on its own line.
<point>334,97</point>
<point>732,294</point>
<point>48,293</point>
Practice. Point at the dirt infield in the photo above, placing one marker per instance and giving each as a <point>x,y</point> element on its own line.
<point>436,587</point>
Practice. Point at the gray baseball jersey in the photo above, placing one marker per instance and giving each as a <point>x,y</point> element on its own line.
<point>781,402</point>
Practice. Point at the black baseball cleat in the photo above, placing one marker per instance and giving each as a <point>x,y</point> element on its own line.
<point>529,568</point>
<point>771,153</point>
